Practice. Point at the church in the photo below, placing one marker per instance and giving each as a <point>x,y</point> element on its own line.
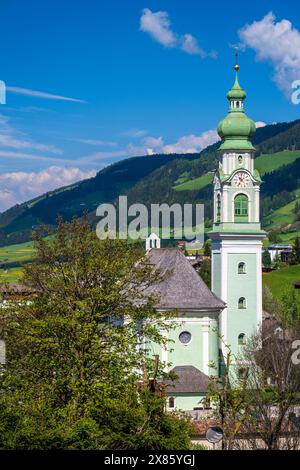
<point>211,321</point>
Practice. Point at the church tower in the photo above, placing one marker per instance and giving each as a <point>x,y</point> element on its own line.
<point>237,235</point>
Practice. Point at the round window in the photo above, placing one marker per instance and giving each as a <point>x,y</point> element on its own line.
<point>185,337</point>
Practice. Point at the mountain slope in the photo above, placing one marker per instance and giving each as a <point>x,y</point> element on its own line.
<point>17,222</point>
<point>190,181</point>
<point>265,163</point>
<point>160,178</point>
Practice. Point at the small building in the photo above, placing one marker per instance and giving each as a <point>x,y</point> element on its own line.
<point>191,383</point>
<point>283,252</point>
<point>153,241</point>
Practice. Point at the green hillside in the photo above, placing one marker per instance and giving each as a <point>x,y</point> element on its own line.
<point>12,258</point>
<point>164,178</point>
<point>16,223</point>
<point>264,164</point>
<point>195,184</point>
<point>285,277</point>
<point>16,253</point>
<point>271,162</point>
<point>284,215</point>
<point>10,275</point>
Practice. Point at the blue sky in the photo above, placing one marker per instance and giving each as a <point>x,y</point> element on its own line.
<point>119,78</point>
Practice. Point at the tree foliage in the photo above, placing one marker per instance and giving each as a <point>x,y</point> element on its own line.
<point>76,352</point>
<point>259,393</point>
<point>266,259</point>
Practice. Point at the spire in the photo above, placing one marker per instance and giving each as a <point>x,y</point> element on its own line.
<point>236,65</point>
<point>236,129</point>
<point>236,92</point>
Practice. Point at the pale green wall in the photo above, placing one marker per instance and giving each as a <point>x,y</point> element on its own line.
<point>241,285</point>
<point>187,401</point>
<point>214,347</point>
<point>190,354</point>
<point>216,268</point>
<point>154,349</point>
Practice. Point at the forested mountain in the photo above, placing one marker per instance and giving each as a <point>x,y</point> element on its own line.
<point>168,183</point>
<point>16,223</point>
<point>163,178</point>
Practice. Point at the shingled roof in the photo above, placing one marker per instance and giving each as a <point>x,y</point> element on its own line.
<point>190,380</point>
<point>182,287</point>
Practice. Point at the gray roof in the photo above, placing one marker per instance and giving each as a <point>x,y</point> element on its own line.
<point>21,289</point>
<point>182,287</point>
<point>190,380</point>
<point>280,246</point>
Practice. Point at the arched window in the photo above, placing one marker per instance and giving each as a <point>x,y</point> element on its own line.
<point>242,339</point>
<point>241,208</point>
<point>171,402</point>
<point>218,208</point>
<point>242,302</point>
<point>242,268</point>
<point>153,243</point>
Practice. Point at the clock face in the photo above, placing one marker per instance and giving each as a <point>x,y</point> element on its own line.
<point>241,180</point>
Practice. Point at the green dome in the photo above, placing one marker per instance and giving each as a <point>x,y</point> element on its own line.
<point>236,129</point>
<point>236,125</point>
<point>236,92</point>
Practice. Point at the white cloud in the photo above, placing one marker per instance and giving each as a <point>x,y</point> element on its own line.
<point>259,124</point>
<point>137,150</point>
<point>185,144</point>
<point>101,143</point>
<point>278,43</point>
<point>191,46</point>
<point>31,156</point>
<point>192,143</point>
<point>105,155</point>
<point>17,187</point>
<point>149,146</point>
<point>154,145</point>
<point>158,26</point>
<point>41,94</point>
<point>7,140</point>
<point>156,142</point>
<point>135,133</point>
<point>11,138</point>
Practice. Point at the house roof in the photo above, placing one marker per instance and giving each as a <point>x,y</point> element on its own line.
<point>182,287</point>
<point>280,246</point>
<point>190,380</point>
<point>16,289</point>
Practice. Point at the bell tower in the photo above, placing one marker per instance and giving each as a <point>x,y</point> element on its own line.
<point>237,235</point>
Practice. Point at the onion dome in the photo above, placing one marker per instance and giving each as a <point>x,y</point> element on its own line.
<point>236,92</point>
<point>236,129</point>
